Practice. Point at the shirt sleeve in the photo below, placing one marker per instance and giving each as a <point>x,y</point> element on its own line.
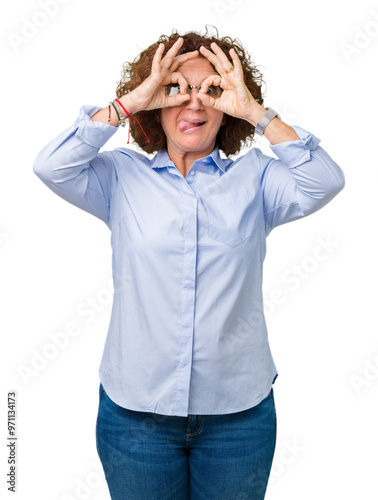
<point>72,167</point>
<point>302,180</point>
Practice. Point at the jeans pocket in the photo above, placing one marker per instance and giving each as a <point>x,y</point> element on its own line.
<point>230,217</point>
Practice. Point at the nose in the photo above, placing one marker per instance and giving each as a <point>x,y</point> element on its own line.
<point>194,103</point>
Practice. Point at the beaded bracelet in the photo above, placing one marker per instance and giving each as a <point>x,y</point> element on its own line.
<point>130,116</point>
<point>121,116</point>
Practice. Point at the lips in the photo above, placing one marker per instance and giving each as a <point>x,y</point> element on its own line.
<point>188,126</point>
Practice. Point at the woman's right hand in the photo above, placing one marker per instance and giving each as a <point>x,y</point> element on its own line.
<point>150,94</point>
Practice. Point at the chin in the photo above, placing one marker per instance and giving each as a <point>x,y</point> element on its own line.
<point>197,144</point>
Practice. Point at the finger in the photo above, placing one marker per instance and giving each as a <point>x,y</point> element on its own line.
<point>157,58</point>
<point>212,58</point>
<point>177,77</point>
<point>236,61</point>
<point>221,56</point>
<point>178,60</point>
<point>177,100</point>
<point>208,101</point>
<point>210,80</point>
<point>171,53</point>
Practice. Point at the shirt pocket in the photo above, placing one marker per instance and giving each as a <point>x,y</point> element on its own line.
<point>231,217</point>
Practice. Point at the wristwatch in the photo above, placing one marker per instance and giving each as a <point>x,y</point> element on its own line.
<point>265,120</point>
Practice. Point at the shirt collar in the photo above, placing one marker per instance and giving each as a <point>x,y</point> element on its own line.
<point>162,160</point>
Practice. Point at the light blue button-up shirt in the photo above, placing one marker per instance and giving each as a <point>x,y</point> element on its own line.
<point>187,333</point>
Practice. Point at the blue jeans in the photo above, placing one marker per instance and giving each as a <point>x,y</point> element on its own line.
<point>146,456</point>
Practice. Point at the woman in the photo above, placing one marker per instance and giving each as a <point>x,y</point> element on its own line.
<point>186,400</point>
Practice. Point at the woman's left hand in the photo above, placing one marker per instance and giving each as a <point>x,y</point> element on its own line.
<point>236,100</point>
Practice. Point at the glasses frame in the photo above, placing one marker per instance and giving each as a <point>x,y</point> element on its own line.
<point>198,87</point>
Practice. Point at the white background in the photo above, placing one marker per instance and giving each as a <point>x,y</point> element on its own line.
<point>321,74</point>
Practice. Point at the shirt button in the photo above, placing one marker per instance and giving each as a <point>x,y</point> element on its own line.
<point>192,172</point>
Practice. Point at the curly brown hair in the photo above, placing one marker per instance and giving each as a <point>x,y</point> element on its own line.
<point>233,134</point>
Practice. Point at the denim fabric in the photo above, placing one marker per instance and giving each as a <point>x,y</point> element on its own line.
<point>147,456</point>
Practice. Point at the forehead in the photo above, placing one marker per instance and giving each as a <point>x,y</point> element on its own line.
<point>198,68</point>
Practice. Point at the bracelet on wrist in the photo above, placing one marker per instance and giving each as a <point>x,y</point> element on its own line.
<point>118,102</point>
<point>120,115</point>
<point>265,120</point>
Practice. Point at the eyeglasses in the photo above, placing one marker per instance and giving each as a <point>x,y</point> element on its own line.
<point>174,88</point>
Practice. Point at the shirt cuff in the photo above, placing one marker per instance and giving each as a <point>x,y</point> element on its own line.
<point>294,153</point>
<point>93,133</point>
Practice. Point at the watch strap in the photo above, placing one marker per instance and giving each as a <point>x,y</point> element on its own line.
<point>265,120</point>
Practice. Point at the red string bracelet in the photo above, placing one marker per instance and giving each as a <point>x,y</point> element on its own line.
<point>130,116</point>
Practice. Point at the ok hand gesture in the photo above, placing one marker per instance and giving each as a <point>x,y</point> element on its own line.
<point>150,94</point>
<point>236,100</point>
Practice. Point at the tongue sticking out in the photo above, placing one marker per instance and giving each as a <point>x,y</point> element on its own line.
<point>185,126</point>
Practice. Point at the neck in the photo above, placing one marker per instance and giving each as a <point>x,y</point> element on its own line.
<point>184,160</point>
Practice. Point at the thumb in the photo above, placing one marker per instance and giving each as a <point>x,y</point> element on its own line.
<point>207,100</point>
<point>177,100</point>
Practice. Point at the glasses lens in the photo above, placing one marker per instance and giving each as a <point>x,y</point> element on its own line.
<point>172,89</point>
<point>214,91</point>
